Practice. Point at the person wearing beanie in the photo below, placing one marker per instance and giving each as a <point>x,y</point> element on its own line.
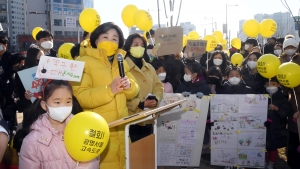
<point>290,46</point>
<point>250,43</point>
<point>289,37</point>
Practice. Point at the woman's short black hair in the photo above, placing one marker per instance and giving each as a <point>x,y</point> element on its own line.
<point>103,28</point>
<point>31,57</point>
<point>129,42</point>
<point>43,34</point>
<point>195,68</point>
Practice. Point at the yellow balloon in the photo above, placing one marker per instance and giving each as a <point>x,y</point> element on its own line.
<point>89,19</point>
<point>35,31</point>
<point>193,35</point>
<point>211,42</point>
<point>251,28</point>
<point>224,44</point>
<point>64,51</point>
<point>267,28</point>
<point>236,43</point>
<point>185,38</point>
<point>218,35</point>
<point>288,74</point>
<point>267,65</point>
<point>143,20</point>
<point>86,136</point>
<point>237,59</point>
<point>128,15</point>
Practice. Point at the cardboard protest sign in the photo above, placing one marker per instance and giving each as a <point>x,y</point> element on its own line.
<point>31,83</point>
<point>198,47</point>
<point>169,40</point>
<point>58,68</point>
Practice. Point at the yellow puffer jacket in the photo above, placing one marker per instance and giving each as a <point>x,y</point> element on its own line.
<point>94,94</point>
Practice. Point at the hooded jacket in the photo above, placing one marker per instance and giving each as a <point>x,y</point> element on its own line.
<point>94,94</point>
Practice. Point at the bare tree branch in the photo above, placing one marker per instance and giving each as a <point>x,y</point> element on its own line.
<point>179,12</point>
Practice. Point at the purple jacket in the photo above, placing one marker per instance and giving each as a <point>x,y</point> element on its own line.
<point>44,148</point>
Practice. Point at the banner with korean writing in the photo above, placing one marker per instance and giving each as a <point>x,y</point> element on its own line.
<point>71,22</point>
<point>58,68</point>
<point>196,46</point>
<point>31,83</point>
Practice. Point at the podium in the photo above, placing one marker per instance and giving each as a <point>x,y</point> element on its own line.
<point>142,153</point>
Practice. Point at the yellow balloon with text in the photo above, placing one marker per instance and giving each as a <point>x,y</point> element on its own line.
<point>89,19</point>
<point>224,44</point>
<point>237,59</point>
<point>218,35</point>
<point>267,65</point>
<point>288,74</point>
<point>236,43</point>
<point>86,136</point>
<point>251,28</point>
<point>184,39</point>
<point>35,31</point>
<point>143,20</point>
<point>128,15</point>
<point>268,27</point>
<point>193,35</point>
<point>64,51</point>
<point>211,42</point>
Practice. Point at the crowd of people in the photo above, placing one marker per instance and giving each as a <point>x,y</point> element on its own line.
<point>40,141</point>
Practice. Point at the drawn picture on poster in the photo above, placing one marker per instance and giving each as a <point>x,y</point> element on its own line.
<point>191,109</point>
<point>252,122</point>
<point>165,154</point>
<point>251,103</point>
<point>251,158</point>
<point>252,140</point>
<point>187,131</point>
<point>223,157</point>
<point>219,117</point>
<point>222,139</point>
<point>224,104</point>
<point>225,126</point>
<point>168,130</point>
<point>184,154</point>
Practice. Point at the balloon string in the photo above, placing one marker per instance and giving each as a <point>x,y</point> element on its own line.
<point>296,99</point>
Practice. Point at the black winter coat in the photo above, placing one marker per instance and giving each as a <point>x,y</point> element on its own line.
<point>255,82</point>
<point>241,88</point>
<point>194,88</point>
<point>276,130</point>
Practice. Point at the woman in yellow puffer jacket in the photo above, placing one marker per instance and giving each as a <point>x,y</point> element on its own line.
<point>101,89</point>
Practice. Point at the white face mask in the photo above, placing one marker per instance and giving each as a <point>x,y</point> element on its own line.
<point>251,64</point>
<point>272,89</point>
<point>234,80</point>
<point>151,41</point>
<point>162,76</point>
<point>218,62</point>
<point>47,45</point>
<point>290,52</point>
<point>277,52</point>
<point>187,78</point>
<point>59,113</point>
<point>246,46</point>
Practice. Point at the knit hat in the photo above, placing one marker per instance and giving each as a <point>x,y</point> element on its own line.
<point>290,42</point>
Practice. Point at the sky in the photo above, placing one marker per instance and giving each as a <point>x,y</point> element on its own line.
<point>195,11</point>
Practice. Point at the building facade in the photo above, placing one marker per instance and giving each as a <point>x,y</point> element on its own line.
<point>187,27</point>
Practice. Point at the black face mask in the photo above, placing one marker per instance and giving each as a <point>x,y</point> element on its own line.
<point>213,80</point>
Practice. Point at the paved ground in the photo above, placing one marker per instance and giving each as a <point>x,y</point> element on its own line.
<point>280,164</point>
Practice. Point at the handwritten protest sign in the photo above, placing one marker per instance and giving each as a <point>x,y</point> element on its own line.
<point>169,40</point>
<point>57,68</point>
<point>30,82</point>
<point>196,46</point>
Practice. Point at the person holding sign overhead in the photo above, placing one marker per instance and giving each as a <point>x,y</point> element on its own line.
<point>103,91</point>
<point>146,78</point>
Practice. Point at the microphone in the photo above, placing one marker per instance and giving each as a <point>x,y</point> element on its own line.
<point>121,65</point>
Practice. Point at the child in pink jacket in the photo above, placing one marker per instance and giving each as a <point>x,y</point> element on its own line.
<point>44,146</point>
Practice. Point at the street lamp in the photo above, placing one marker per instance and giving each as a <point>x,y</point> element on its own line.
<point>227,24</point>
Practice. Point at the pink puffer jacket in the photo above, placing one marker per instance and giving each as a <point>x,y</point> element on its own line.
<point>44,148</point>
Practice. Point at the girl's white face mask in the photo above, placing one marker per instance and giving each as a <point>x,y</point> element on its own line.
<point>59,113</point>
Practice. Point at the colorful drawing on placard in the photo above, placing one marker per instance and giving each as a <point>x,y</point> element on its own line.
<point>191,108</point>
<point>252,122</point>
<point>58,68</point>
<point>184,154</point>
<point>167,130</point>
<point>165,154</point>
<point>251,103</point>
<point>221,139</point>
<point>251,158</point>
<point>224,104</point>
<point>225,126</point>
<point>220,117</point>
<point>31,83</point>
<point>168,99</point>
<point>223,157</point>
<point>252,140</point>
<point>187,131</point>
